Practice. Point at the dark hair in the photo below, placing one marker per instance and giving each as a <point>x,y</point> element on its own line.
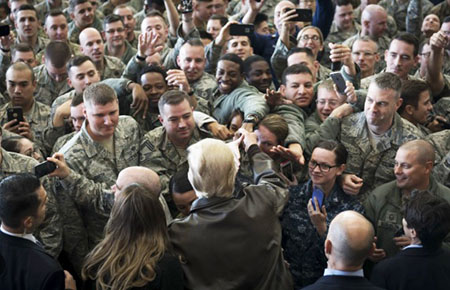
<point>54,13</point>
<point>260,18</point>
<point>22,47</point>
<point>249,61</point>
<point>205,35</point>
<point>18,198</point>
<point>12,144</point>
<point>233,58</point>
<point>410,39</point>
<point>343,2</point>
<point>155,13</point>
<point>411,89</point>
<point>306,50</point>
<point>446,19</point>
<point>152,69</point>
<point>57,53</point>
<point>223,19</point>
<point>429,216</point>
<point>74,3</point>
<point>337,148</point>
<point>77,61</point>
<point>111,18</point>
<point>179,182</point>
<point>295,70</point>
<point>5,6</point>
<point>173,97</point>
<point>27,7</point>
<point>194,42</point>
<point>77,100</point>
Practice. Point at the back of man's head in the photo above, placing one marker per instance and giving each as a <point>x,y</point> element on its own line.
<point>57,53</point>
<point>429,216</point>
<point>99,94</point>
<point>141,175</point>
<point>211,174</point>
<point>349,241</point>
<point>18,199</point>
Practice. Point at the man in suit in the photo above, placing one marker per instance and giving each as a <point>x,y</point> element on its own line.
<point>424,264</point>
<point>349,242</point>
<point>26,264</point>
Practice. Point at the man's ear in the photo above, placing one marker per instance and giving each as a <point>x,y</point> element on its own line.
<point>178,61</point>
<point>161,120</point>
<point>283,89</point>
<point>328,247</point>
<point>28,222</point>
<point>398,103</point>
<point>409,109</point>
<point>103,36</point>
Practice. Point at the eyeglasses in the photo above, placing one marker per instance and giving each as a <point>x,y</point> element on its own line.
<point>322,166</point>
<point>307,37</point>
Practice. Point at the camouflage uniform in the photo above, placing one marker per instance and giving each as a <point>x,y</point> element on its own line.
<point>43,8</point>
<point>62,141</point>
<point>384,210</point>
<point>245,98</point>
<point>37,117</point>
<point>441,10</point>
<point>74,31</point>
<point>295,117</point>
<point>107,8</point>
<point>39,46</point>
<point>442,107</point>
<point>129,52</point>
<point>47,88</point>
<point>374,165</point>
<point>205,86</point>
<point>336,36</point>
<point>113,67</point>
<point>268,9</point>
<point>159,154</point>
<point>408,15</point>
<point>50,231</point>
<point>441,142</point>
<point>303,247</point>
<point>95,168</point>
<point>383,43</point>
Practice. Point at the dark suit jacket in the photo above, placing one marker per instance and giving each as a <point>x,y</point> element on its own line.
<point>25,265</point>
<point>335,282</point>
<point>414,268</point>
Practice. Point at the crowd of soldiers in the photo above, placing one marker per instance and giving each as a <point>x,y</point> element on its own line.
<point>96,82</point>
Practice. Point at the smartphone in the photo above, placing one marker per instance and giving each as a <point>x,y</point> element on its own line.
<point>317,194</point>
<point>241,29</point>
<point>4,30</point>
<point>303,15</point>
<point>287,170</point>
<point>336,66</point>
<point>15,113</point>
<point>339,80</point>
<point>44,168</point>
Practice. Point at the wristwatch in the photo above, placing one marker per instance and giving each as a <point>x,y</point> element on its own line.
<point>251,119</point>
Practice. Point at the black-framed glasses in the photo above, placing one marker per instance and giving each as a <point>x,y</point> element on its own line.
<point>322,166</point>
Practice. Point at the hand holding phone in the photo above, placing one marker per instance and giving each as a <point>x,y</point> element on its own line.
<point>241,29</point>
<point>339,80</point>
<point>317,195</point>
<point>44,168</point>
<point>15,113</point>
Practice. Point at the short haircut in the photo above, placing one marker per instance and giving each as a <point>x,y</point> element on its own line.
<point>74,3</point>
<point>277,125</point>
<point>446,19</point>
<point>205,35</point>
<point>223,19</point>
<point>260,18</point>
<point>295,70</point>
<point>77,100</point>
<point>233,58</point>
<point>337,148</point>
<point>173,97</point>
<point>179,182</point>
<point>21,47</point>
<point>111,18</point>
<point>77,61</point>
<point>388,81</point>
<point>306,50</point>
<point>55,13</point>
<point>123,6</point>
<point>152,69</point>
<point>194,42</point>
<point>12,144</point>
<point>424,151</point>
<point>155,13</point>
<point>343,2</point>
<point>327,84</point>
<point>18,198</point>
<point>248,62</point>
<point>57,53</point>
<point>410,39</point>
<point>26,7</point>
<point>429,216</point>
<point>411,89</point>
<point>211,174</point>
<point>99,94</point>
<point>21,66</point>
<point>366,38</point>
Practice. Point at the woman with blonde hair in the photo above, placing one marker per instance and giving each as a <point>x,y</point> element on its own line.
<point>135,251</point>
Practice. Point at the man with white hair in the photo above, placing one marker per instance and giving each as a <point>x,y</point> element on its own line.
<point>349,242</point>
<point>224,240</point>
